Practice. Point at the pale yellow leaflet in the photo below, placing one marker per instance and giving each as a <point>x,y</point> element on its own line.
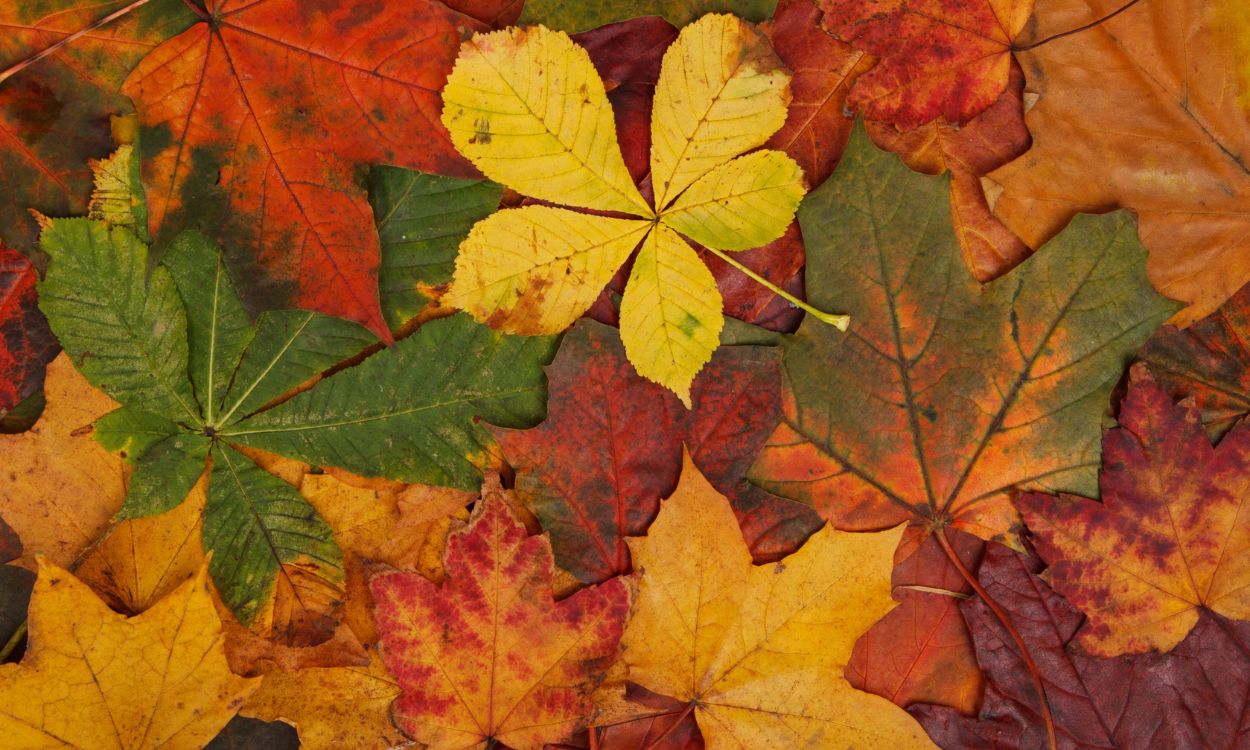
<point>535,270</point>
<point>740,205</point>
<point>528,108</point>
<point>722,92</point>
<point>671,315</point>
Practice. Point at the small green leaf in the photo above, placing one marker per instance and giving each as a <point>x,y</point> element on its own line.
<point>254,523</point>
<point>218,327</point>
<point>289,348</point>
<point>132,431</point>
<point>410,412</point>
<point>421,220</point>
<point>164,475</point>
<point>127,337</point>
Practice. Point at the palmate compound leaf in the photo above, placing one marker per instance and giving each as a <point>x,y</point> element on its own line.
<point>257,117</point>
<point>94,678</point>
<point>425,393</point>
<point>1170,537</point>
<point>489,656</point>
<point>947,395</point>
<point>759,650</point>
<point>1150,111</point>
<point>528,108</point>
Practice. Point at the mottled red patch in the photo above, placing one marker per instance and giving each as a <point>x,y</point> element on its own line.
<point>26,342</point>
<point>489,653</point>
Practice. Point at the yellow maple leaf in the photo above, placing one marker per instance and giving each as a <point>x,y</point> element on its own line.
<point>527,107</point>
<point>758,651</point>
<point>92,678</point>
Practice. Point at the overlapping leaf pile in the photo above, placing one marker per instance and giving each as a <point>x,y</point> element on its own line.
<point>692,373</point>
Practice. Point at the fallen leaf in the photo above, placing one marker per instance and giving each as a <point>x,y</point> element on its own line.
<point>921,651</point>
<point>991,139</point>
<point>1168,540</point>
<point>342,707</point>
<point>94,678</point>
<point>1209,361</point>
<point>759,650</point>
<point>252,734</point>
<point>671,311</point>
<point>1191,697</point>
<point>936,58</point>
<point>582,15</point>
<point>254,125</point>
<point>670,725</point>
<point>54,115</point>
<point>489,657</point>
<point>26,342</point>
<point>1146,111</point>
<point>594,471</point>
<point>817,124</point>
<point>60,488</point>
<point>946,395</point>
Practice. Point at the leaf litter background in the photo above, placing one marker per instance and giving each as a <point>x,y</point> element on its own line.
<point>264,487</point>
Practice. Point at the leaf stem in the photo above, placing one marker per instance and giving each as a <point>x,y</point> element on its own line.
<point>18,67</point>
<point>1077,30</point>
<point>15,639</point>
<point>840,322</point>
<point>1003,618</point>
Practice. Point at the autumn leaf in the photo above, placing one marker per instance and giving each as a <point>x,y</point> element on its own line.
<point>671,312</point>
<point>758,651</point>
<point>15,585</point>
<point>489,656</point>
<point>194,375</point>
<point>340,707</point>
<point>1168,539</point>
<point>26,342</point>
<point>288,200</point>
<point>947,395</point>
<point>1209,362</point>
<point>1191,697</point>
<point>246,734</point>
<point>54,114</point>
<point>1159,129</point>
<point>583,15</point>
<point>61,487</point>
<point>936,58</point>
<point>94,678</point>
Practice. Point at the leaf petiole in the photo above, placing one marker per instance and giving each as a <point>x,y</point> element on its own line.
<point>840,322</point>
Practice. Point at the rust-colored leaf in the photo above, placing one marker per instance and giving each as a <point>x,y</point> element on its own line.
<point>936,58</point>
<point>489,656</point>
<point>26,342</point>
<point>1147,110</point>
<point>1169,539</point>
<point>257,117</point>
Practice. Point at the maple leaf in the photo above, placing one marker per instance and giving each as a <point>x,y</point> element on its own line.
<point>584,15</point>
<point>489,656</point>
<point>1209,361</point>
<point>757,652</point>
<point>26,342</point>
<point>948,394</point>
<point>671,312</point>
<point>339,707</point>
<point>283,116</point>
<point>936,58</point>
<point>54,114</point>
<point>1160,130</point>
<point>195,376</point>
<point>1191,697</point>
<point>594,471</point>
<point>61,487</point>
<point>94,678</point>
<point>1167,540</point>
